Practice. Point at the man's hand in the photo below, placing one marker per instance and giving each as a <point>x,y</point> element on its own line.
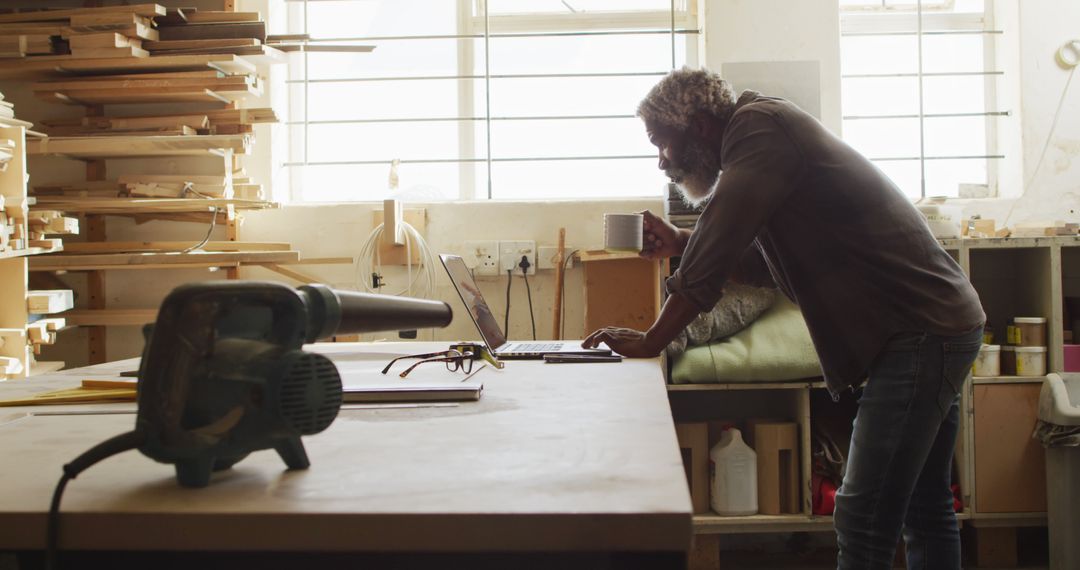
<point>661,239</point>
<point>627,342</point>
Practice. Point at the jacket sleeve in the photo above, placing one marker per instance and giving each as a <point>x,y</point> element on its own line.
<point>761,167</point>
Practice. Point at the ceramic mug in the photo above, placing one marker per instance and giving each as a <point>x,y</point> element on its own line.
<point>623,232</point>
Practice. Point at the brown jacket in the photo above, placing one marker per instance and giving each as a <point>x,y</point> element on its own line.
<point>798,205</point>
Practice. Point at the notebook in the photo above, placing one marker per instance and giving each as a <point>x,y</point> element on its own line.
<point>488,326</point>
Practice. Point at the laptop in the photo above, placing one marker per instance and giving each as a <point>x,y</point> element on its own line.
<point>488,326</point>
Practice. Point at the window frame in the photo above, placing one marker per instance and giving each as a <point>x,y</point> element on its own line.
<point>919,19</point>
<point>680,23</point>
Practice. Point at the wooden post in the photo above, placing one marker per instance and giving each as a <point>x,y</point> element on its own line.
<point>95,280</point>
<point>556,333</point>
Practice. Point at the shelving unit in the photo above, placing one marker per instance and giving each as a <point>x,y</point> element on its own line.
<point>22,331</point>
<point>1000,468</point>
<point>201,64</point>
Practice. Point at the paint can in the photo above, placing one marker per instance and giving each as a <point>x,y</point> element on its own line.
<point>1027,331</point>
<point>988,362</point>
<point>1031,361</point>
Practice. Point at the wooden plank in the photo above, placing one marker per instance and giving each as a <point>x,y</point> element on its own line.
<point>144,10</point>
<point>111,82</point>
<point>226,63</point>
<point>200,44</point>
<point>293,274</point>
<point>151,95</point>
<point>214,117</point>
<point>148,205</point>
<point>211,17</point>
<point>102,40</point>
<point>214,31</point>
<point>110,317</point>
<point>109,52</point>
<point>164,246</point>
<point>119,260</point>
<point>136,146</point>
<point>1010,466</point>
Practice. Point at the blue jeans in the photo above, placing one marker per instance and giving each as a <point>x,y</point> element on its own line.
<point>899,468</point>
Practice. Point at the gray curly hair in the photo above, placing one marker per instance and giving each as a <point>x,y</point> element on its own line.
<point>683,92</point>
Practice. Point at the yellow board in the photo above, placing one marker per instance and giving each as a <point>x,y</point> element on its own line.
<point>74,396</point>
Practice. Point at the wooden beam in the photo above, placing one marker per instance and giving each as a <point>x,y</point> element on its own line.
<point>144,10</point>
<point>136,146</point>
<point>134,260</point>
<point>165,246</point>
<point>110,317</point>
<point>291,274</point>
<point>49,301</point>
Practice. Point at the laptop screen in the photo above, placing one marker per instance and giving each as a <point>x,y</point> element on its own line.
<point>474,301</point>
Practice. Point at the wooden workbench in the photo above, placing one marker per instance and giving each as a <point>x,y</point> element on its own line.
<point>573,459</point>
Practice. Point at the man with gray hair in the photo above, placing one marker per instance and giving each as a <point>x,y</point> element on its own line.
<point>791,204</point>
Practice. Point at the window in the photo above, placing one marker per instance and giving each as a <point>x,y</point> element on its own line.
<point>919,90</point>
<point>531,99</point>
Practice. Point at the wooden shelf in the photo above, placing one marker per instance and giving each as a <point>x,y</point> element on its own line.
<point>716,524</point>
<point>110,317</point>
<point>147,205</point>
<point>130,96</point>
<point>116,261</point>
<point>1007,379</point>
<point>794,385</point>
<point>29,67</point>
<point>137,146</point>
<point>9,253</point>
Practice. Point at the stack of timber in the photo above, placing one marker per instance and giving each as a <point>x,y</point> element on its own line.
<point>203,122</point>
<point>20,232</point>
<point>88,33</point>
<point>192,86</point>
<point>138,38</point>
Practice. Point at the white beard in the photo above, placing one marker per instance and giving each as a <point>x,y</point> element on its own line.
<point>695,189</point>
<point>696,172</point>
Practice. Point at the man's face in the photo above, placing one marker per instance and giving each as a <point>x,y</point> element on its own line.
<point>687,159</point>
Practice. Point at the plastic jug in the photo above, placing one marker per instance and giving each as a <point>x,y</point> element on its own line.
<point>733,475</point>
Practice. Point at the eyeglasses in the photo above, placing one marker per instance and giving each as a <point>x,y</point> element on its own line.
<point>455,360</point>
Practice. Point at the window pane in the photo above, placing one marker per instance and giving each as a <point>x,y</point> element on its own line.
<point>591,137</point>
<point>884,138</point>
<point>577,179</point>
<point>943,177</point>
<point>387,141</point>
<point>965,94</point>
<point>581,54</point>
<point>955,136</point>
<point>365,18</point>
<point>395,58</point>
<point>417,182</point>
<point>905,174</point>
<point>878,54</point>
<point>568,96</point>
<point>561,7</point>
<point>953,53</point>
<point>421,98</point>
<point>880,96</point>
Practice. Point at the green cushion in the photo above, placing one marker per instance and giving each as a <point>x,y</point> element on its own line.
<point>776,347</point>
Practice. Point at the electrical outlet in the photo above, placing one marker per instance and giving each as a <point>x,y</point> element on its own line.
<point>482,257</point>
<point>545,258</point>
<point>510,253</point>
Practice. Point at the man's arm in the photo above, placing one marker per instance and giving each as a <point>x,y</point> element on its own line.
<point>674,316</point>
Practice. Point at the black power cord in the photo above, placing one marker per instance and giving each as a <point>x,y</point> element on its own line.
<point>103,450</point>
<point>506,316</point>
<point>524,265</point>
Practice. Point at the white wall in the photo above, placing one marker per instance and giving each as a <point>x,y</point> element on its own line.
<point>779,31</point>
<point>340,230</point>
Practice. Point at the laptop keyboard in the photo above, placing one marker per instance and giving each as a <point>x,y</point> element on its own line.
<point>536,346</point>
